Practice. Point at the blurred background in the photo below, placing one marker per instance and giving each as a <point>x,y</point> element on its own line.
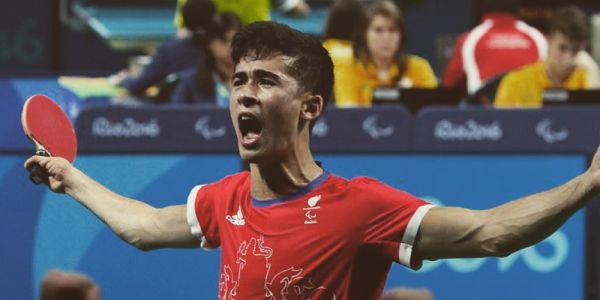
<point>444,143</point>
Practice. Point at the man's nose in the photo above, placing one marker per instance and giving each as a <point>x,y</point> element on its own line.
<point>245,94</point>
<point>246,100</point>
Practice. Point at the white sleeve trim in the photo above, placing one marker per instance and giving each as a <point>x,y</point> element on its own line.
<point>192,218</point>
<point>538,38</point>
<point>410,234</point>
<point>470,66</point>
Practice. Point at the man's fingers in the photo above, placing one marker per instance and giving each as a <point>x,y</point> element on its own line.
<point>36,159</point>
<point>56,172</point>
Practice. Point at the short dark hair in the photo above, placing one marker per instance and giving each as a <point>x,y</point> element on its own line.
<point>341,20</point>
<point>311,65</point>
<point>217,27</point>
<point>572,22</point>
<point>197,13</point>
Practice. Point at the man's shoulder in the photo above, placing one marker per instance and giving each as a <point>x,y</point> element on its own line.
<point>237,178</point>
<point>374,193</point>
<point>231,181</point>
<point>364,184</point>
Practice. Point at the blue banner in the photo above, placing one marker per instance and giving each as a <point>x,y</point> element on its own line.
<point>46,230</point>
<point>156,129</point>
<point>480,129</point>
<point>378,129</point>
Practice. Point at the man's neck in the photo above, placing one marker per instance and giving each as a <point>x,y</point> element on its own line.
<point>269,181</point>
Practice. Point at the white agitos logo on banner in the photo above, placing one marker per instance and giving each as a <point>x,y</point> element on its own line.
<point>544,130</point>
<point>203,128</point>
<point>321,129</point>
<point>371,127</point>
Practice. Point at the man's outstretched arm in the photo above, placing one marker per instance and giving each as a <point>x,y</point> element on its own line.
<point>135,222</point>
<point>450,232</point>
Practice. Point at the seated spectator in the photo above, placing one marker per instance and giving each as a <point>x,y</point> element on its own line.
<point>380,58</point>
<point>210,82</point>
<point>251,10</point>
<point>171,56</point>
<point>500,43</point>
<point>340,28</point>
<point>568,34</point>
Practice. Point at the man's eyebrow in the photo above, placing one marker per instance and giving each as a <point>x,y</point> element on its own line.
<point>265,74</point>
<point>259,73</point>
<point>239,75</point>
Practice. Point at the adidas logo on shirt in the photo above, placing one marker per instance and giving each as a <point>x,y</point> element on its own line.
<point>237,219</point>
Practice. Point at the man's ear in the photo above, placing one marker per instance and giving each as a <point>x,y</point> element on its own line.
<point>312,107</point>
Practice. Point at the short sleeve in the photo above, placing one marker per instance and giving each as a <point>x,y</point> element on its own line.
<point>393,221</point>
<point>405,253</point>
<point>200,208</point>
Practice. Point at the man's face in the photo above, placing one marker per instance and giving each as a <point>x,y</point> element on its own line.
<point>265,108</point>
<point>561,53</point>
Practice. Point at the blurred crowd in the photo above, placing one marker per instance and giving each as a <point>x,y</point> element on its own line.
<point>502,62</point>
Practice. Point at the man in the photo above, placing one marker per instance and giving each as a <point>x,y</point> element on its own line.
<point>171,56</point>
<point>251,10</point>
<point>288,227</point>
<point>499,44</point>
<point>524,87</point>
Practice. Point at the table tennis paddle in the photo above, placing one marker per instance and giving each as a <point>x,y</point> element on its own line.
<point>50,131</point>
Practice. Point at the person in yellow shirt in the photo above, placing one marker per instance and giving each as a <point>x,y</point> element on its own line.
<point>524,87</point>
<point>379,58</point>
<point>340,27</point>
<point>252,10</point>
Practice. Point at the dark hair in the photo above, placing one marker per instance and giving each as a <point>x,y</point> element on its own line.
<point>311,65</point>
<point>389,10</point>
<point>216,28</point>
<point>341,21</point>
<point>509,6</point>
<point>572,22</point>
<point>196,13</point>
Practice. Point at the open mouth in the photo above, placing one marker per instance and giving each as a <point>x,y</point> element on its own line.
<point>250,129</point>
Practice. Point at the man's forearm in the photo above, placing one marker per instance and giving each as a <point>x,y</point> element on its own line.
<point>455,232</point>
<point>526,221</point>
<point>128,218</point>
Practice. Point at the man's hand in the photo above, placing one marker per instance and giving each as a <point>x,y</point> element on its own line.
<point>60,171</point>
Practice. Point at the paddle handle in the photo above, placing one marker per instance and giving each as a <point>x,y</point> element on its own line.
<point>37,174</point>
